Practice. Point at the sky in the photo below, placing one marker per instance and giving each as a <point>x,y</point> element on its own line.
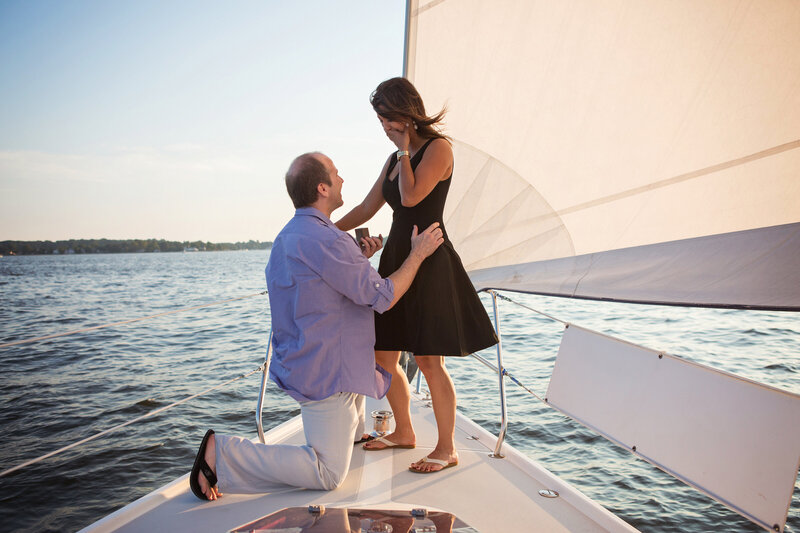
<point>177,120</point>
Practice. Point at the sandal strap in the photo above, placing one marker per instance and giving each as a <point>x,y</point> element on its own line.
<point>434,461</point>
<point>206,470</point>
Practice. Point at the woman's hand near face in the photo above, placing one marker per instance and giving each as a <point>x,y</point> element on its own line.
<point>398,133</point>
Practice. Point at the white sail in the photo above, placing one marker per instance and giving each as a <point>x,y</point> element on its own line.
<point>621,150</point>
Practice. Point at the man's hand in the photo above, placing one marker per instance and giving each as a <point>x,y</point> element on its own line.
<point>427,242</point>
<point>422,246</point>
<point>370,245</point>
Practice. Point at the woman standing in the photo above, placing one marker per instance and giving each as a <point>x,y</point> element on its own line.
<point>441,314</point>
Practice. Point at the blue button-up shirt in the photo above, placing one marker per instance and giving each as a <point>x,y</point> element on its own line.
<point>323,293</point>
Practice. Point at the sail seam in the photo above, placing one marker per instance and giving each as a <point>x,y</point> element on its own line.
<point>682,177</point>
<point>429,5</point>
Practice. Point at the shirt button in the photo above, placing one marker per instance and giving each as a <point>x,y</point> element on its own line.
<point>377,285</point>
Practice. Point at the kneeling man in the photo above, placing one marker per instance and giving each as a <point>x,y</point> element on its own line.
<point>322,293</point>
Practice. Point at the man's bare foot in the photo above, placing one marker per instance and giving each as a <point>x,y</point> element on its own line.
<point>401,439</point>
<point>450,458</point>
<point>212,493</point>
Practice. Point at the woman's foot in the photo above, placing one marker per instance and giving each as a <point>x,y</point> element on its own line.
<point>426,466</point>
<point>397,438</point>
<point>211,493</point>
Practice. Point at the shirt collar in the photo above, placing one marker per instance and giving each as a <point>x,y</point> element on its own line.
<point>313,212</point>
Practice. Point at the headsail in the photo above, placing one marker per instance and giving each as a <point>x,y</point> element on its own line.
<point>629,151</point>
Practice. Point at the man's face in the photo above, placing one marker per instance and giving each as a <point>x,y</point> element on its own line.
<point>335,188</point>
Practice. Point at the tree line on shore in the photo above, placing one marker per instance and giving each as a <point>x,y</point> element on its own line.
<point>114,246</point>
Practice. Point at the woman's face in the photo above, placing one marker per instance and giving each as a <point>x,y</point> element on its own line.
<point>389,125</point>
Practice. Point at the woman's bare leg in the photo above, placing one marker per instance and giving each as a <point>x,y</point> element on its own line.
<point>399,398</point>
<point>443,397</point>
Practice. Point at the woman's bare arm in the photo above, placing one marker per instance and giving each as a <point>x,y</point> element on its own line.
<point>368,207</point>
<point>435,166</point>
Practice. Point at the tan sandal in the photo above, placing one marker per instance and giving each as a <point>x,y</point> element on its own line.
<point>388,444</point>
<point>443,464</point>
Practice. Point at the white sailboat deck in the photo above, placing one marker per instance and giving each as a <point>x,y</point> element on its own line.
<point>491,495</point>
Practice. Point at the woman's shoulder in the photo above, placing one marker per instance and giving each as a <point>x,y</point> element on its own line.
<point>438,147</point>
<point>439,151</point>
<point>440,143</point>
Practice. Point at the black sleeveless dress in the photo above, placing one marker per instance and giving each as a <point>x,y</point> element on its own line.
<point>441,313</point>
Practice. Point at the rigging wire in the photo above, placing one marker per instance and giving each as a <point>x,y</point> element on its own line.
<point>63,334</point>
<point>510,376</point>
<point>505,371</point>
<point>129,422</point>
<point>506,298</point>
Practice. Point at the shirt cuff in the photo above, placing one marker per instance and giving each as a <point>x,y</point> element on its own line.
<point>384,295</point>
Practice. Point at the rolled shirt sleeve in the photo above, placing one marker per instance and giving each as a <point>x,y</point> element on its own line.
<point>385,289</point>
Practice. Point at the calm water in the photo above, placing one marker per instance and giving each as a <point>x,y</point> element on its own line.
<point>58,391</point>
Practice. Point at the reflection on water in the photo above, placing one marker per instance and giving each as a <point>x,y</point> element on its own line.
<point>59,391</point>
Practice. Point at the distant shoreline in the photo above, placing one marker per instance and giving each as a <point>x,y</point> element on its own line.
<point>117,246</point>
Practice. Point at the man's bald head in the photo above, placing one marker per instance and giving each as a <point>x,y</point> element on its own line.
<point>304,174</point>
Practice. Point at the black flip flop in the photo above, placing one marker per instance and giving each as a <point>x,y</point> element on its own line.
<point>200,465</point>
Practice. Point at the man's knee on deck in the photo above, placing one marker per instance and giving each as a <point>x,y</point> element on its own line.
<point>331,479</point>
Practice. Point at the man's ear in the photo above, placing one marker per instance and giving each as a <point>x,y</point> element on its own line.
<point>322,190</point>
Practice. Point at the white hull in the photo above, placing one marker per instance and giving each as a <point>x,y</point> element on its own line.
<point>491,495</point>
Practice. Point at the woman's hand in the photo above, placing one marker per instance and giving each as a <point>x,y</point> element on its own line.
<point>398,133</point>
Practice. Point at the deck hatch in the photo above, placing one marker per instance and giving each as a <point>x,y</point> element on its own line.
<point>343,519</point>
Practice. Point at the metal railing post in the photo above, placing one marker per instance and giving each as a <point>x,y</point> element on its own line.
<point>264,377</point>
<point>419,380</point>
<point>501,372</point>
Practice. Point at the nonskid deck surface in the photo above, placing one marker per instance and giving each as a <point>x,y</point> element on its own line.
<point>491,495</point>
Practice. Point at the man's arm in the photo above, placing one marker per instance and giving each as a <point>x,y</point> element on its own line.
<point>343,267</point>
<point>422,246</point>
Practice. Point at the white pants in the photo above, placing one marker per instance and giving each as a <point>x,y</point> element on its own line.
<point>330,425</point>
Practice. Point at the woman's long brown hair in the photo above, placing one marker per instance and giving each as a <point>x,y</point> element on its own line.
<point>397,100</point>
